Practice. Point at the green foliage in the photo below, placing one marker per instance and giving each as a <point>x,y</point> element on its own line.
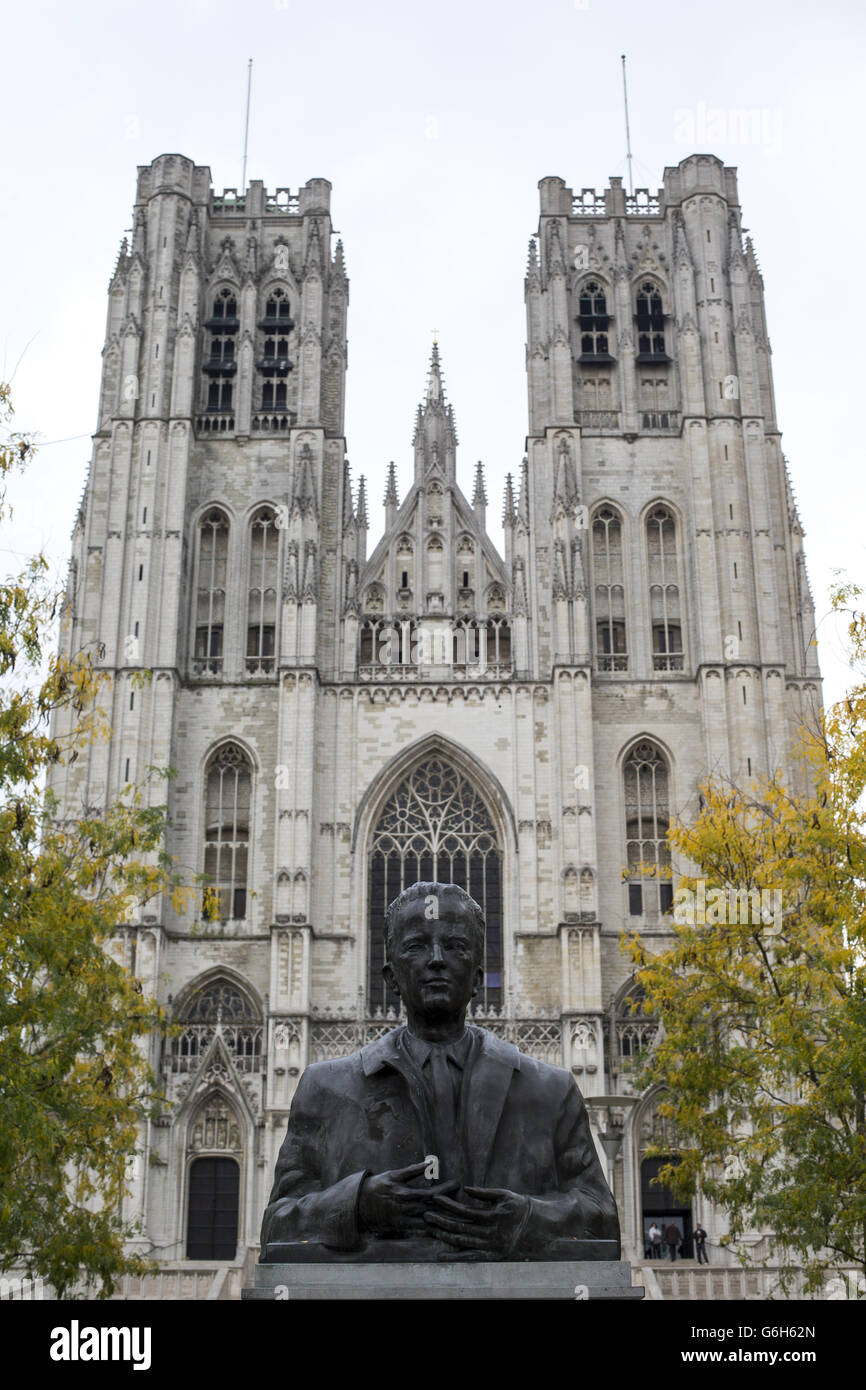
<point>763,1046</point>
<point>74,1024</point>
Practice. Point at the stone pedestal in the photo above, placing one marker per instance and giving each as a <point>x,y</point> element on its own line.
<point>543,1279</point>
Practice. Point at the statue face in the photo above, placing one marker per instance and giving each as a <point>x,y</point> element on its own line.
<point>434,963</point>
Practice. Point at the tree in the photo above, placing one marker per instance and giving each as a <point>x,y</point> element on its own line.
<point>762,995</point>
<point>74,1079</point>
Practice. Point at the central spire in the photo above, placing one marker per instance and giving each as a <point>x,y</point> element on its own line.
<point>434,380</point>
<point>435,437</point>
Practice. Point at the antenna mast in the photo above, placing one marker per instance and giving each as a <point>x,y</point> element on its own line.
<point>627,132</point>
<point>247,127</point>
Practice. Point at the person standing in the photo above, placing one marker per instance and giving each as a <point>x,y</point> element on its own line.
<point>655,1242</point>
<point>700,1238</point>
<point>672,1238</point>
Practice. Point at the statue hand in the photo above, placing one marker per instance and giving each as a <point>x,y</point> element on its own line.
<point>388,1206</point>
<point>480,1233</point>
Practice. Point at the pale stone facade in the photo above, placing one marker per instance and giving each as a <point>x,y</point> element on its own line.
<point>341,724</point>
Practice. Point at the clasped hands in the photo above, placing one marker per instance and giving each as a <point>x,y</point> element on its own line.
<point>389,1205</point>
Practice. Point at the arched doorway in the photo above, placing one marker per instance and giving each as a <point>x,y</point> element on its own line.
<point>212,1224</point>
<point>659,1205</point>
<point>436,826</point>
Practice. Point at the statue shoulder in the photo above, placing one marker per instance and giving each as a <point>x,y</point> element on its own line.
<point>554,1079</point>
<point>335,1073</point>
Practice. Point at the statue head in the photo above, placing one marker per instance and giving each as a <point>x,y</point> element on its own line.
<point>435,947</point>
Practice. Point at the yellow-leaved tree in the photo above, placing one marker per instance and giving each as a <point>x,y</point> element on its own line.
<point>74,1080</point>
<point>762,996</point>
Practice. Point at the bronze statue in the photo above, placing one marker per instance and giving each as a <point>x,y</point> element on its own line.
<point>439,1141</point>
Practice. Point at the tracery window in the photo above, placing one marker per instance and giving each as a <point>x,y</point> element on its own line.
<point>213,544</point>
<point>262,594</point>
<point>593,320</point>
<point>631,1031</point>
<point>218,1004</point>
<point>436,827</point>
<point>274,364</point>
<point>650,321</point>
<point>663,567</point>
<point>611,651</point>
<point>220,365</point>
<point>647,814</point>
<point>228,796</point>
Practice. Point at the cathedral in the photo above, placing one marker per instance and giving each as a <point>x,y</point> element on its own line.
<point>345,719</point>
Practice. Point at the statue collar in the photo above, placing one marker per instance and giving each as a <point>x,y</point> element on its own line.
<point>385,1052</point>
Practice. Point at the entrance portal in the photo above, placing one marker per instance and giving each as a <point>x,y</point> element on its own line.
<point>212,1226</point>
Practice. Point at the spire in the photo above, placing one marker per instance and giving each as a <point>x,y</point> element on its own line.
<point>509,514</point>
<point>361,504</point>
<point>479,496</point>
<point>391,499</point>
<point>122,258</point>
<point>339,263</point>
<point>435,389</point>
<point>533,273</point>
<point>753,264</point>
<point>435,437</point>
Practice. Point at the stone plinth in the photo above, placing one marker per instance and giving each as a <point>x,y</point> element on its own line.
<point>526,1279</point>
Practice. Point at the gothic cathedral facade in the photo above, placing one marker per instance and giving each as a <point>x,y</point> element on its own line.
<point>343,724</point>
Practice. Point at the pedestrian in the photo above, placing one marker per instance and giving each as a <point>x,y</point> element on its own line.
<point>655,1240</point>
<point>701,1245</point>
<point>673,1236</point>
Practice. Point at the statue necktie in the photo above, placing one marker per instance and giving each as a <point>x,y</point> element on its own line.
<point>443,1106</point>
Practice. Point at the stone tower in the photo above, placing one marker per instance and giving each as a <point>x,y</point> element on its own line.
<point>525,725</point>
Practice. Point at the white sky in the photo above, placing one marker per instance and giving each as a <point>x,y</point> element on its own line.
<point>434,124</point>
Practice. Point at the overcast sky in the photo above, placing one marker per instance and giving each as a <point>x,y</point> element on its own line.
<point>434,123</point>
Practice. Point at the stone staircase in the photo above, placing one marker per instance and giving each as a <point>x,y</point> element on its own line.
<point>686,1280</point>
<point>211,1280</point>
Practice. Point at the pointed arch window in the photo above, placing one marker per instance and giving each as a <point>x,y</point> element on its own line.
<point>611,651</point>
<point>219,1006</point>
<point>220,364</point>
<point>664,581</point>
<point>274,364</point>
<point>262,594</point>
<point>436,827</point>
<point>593,320</point>
<point>630,1032</point>
<point>650,322</point>
<point>228,797</point>
<point>647,816</point>
<point>213,544</point>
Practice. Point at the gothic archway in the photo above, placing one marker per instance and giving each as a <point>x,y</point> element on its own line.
<point>435,825</point>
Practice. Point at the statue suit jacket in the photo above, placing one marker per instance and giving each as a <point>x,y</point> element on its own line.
<point>524,1128</point>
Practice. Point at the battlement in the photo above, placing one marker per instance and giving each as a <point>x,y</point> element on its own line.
<point>175,174</point>
<point>699,173</point>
